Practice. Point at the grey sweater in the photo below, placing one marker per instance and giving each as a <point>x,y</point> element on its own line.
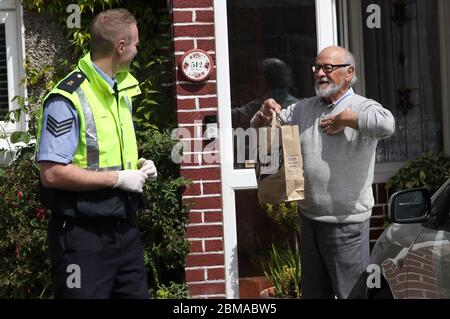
<point>338,169</point>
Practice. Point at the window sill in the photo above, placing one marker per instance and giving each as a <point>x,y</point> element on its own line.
<point>383,171</point>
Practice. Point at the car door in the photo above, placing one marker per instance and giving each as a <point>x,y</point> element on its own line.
<point>428,260</point>
<point>429,265</point>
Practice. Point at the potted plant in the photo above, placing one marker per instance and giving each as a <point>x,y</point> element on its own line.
<point>284,271</point>
<point>283,267</point>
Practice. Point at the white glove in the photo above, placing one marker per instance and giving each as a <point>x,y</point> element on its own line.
<point>131,180</point>
<point>149,168</point>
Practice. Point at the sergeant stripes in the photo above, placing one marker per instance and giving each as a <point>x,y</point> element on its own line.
<point>58,128</point>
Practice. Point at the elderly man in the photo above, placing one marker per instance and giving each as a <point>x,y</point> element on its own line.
<point>339,135</point>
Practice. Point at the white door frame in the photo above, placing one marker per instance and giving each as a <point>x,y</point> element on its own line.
<point>11,14</point>
<point>232,179</point>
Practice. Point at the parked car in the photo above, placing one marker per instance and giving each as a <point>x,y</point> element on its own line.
<point>413,253</point>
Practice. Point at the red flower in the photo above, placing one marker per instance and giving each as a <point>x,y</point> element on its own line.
<point>20,194</point>
<point>40,213</point>
<point>17,251</point>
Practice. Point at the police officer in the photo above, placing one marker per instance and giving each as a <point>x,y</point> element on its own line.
<point>91,178</point>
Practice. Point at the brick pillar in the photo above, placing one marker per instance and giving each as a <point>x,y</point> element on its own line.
<point>193,28</point>
<point>379,212</point>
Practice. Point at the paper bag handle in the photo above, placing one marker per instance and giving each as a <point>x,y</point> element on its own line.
<point>277,121</point>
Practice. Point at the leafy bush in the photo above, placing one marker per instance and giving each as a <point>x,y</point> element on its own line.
<point>285,215</point>
<point>429,170</point>
<point>24,260</point>
<point>163,221</point>
<point>172,291</point>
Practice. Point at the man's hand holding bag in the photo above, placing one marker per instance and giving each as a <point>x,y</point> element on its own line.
<point>279,168</point>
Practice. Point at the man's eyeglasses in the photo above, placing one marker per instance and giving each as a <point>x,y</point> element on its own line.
<point>327,68</point>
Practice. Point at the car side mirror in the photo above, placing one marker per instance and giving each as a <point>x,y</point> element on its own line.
<point>410,206</point>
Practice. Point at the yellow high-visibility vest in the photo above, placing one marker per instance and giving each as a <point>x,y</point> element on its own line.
<point>107,138</point>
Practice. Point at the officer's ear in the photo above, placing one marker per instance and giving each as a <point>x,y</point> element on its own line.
<point>120,46</point>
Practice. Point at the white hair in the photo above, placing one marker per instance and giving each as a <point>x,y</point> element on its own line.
<point>350,59</point>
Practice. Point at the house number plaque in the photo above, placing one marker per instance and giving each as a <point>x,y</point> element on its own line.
<point>196,65</point>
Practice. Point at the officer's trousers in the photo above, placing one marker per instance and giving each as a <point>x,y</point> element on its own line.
<point>96,258</point>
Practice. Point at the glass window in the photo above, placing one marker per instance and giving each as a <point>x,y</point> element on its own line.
<point>272,45</point>
<point>4,100</point>
<point>402,70</point>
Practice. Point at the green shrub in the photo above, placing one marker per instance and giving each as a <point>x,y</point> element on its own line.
<point>285,215</point>
<point>172,291</point>
<point>163,221</point>
<point>24,260</point>
<point>430,170</point>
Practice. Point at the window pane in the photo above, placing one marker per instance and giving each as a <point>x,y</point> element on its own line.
<point>272,45</point>
<point>403,73</point>
<point>3,74</point>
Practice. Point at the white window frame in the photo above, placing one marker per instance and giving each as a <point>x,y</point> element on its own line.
<point>11,14</point>
<point>233,179</point>
<point>355,24</point>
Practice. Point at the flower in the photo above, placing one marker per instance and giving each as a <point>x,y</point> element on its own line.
<point>20,194</point>
<point>40,213</point>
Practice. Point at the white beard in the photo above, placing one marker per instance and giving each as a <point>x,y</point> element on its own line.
<point>325,92</point>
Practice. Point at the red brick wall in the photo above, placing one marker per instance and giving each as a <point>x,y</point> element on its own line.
<point>379,211</point>
<point>193,28</point>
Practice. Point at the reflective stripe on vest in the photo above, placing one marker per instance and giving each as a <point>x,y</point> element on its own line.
<point>130,107</point>
<point>91,132</point>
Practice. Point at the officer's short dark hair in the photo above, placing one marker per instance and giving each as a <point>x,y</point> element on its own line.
<point>107,28</point>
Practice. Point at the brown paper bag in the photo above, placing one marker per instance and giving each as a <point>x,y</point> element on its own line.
<point>279,169</point>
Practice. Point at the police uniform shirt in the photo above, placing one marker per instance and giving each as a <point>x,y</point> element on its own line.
<point>61,127</point>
